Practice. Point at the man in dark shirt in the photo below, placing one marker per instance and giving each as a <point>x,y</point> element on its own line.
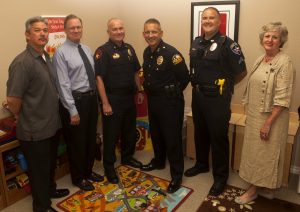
<point>32,98</point>
<point>117,67</point>
<point>166,76</point>
<point>217,63</point>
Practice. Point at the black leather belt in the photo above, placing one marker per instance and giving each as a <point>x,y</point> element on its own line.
<point>203,87</point>
<point>83,94</point>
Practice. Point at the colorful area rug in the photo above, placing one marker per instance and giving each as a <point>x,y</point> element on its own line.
<point>136,191</point>
<point>225,202</point>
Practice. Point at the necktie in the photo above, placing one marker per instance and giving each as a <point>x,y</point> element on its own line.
<point>88,68</point>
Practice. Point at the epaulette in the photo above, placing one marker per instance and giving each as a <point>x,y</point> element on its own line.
<point>222,39</point>
<point>200,38</point>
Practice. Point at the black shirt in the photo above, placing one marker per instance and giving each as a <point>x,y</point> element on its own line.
<point>164,66</point>
<point>116,65</point>
<point>219,57</point>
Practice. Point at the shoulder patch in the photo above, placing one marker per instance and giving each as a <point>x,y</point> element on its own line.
<point>98,54</point>
<point>129,52</point>
<point>176,59</point>
<point>235,48</point>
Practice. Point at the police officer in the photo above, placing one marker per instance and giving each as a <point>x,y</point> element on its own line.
<point>217,63</point>
<point>117,67</point>
<point>166,76</point>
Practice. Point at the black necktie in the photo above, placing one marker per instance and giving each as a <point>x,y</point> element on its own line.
<point>88,68</point>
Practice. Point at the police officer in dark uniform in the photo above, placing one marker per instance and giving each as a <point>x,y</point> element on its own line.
<point>166,76</point>
<point>216,64</point>
<point>117,67</point>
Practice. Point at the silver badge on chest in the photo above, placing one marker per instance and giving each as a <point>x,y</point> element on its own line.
<point>213,47</point>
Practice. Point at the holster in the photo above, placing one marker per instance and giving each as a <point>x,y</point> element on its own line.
<point>211,90</point>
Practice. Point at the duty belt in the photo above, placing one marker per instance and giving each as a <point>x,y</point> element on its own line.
<point>217,86</point>
<point>202,87</point>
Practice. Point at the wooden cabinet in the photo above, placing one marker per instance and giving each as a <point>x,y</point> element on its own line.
<point>10,193</point>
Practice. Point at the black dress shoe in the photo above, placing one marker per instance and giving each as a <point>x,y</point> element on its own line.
<point>132,162</point>
<point>174,185</point>
<point>59,193</point>
<point>85,185</point>
<point>95,177</point>
<point>195,170</point>
<point>151,166</point>
<point>51,210</point>
<point>217,189</point>
<point>112,176</point>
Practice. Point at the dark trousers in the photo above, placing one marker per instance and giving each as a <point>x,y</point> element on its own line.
<point>41,159</point>
<point>211,117</point>
<point>165,120</point>
<point>81,139</point>
<point>120,125</point>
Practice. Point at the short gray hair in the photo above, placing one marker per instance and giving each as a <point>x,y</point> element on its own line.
<point>277,27</point>
<point>32,20</point>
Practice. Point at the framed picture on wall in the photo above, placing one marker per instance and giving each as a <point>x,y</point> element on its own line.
<point>229,11</point>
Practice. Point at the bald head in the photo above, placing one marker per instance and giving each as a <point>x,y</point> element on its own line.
<point>115,30</point>
<point>112,21</point>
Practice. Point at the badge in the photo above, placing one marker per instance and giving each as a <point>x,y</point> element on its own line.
<point>159,60</point>
<point>116,56</point>
<point>176,59</point>
<point>129,53</point>
<point>235,48</point>
<point>213,47</point>
<point>98,54</point>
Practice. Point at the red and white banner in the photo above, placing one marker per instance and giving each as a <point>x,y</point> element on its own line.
<point>56,33</point>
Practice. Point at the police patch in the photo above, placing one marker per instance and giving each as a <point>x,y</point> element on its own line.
<point>235,48</point>
<point>98,54</point>
<point>159,60</point>
<point>116,56</point>
<point>176,59</point>
<point>129,53</point>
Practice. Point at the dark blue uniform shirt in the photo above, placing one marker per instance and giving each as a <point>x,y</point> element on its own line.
<point>219,57</point>
<point>116,65</point>
<point>165,66</point>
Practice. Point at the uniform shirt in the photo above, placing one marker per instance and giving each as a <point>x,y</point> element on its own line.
<point>117,65</point>
<point>277,85</point>
<point>219,57</point>
<point>30,80</point>
<point>164,66</point>
<point>70,73</point>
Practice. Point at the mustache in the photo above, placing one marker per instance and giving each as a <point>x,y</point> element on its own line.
<point>43,38</point>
